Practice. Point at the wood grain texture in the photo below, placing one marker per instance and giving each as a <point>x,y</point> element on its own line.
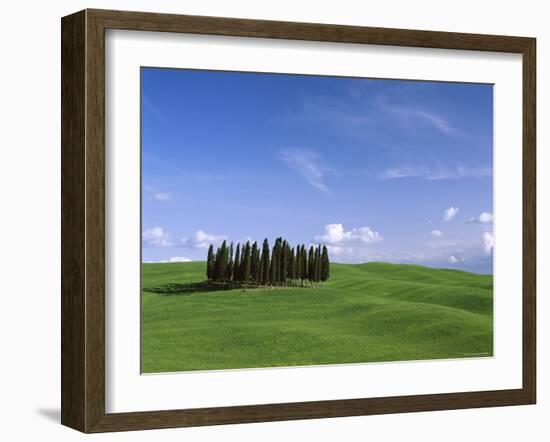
<point>95,222</point>
<point>73,254</point>
<point>529,221</point>
<point>145,21</point>
<point>83,220</point>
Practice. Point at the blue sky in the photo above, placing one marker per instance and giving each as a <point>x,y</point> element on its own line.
<point>378,170</point>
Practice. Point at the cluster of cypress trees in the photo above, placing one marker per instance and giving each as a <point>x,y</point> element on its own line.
<point>282,266</point>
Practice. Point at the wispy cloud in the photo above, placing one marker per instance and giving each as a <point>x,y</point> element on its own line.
<point>330,110</point>
<point>202,240</point>
<point>483,218</point>
<point>363,245</point>
<point>435,173</point>
<point>161,196</point>
<point>450,213</point>
<point>335,233</point>
<point>436,233</point>
<point>178,259</point>
<point>156,237</point>
<point>154,194</point>
<point>417,115</point>
<point>347,243</point>
<point>186,173</point>
<point>172,259</point>
<point>148,105</point>
<point>308,164</point>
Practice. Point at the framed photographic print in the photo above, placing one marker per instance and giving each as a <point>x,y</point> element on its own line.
<point>268,220</point>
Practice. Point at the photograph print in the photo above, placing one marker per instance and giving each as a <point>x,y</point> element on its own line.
<point>304,220</point>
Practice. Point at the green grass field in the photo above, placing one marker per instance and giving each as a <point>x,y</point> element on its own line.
<point>365,313</point>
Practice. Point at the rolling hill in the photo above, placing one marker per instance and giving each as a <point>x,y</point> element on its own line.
<point>365,313</point>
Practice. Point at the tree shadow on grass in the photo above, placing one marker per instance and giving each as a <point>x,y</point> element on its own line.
<point>188,289</point>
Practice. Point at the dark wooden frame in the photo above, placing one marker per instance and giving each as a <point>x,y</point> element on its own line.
<point>83,220</point>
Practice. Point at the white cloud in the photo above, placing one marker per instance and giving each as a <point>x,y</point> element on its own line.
<point>433,119</point>
<point>156,237</point>
<point>445,251</point>
<point>202,240</point>
<point>488,243</point>
<point>308,164</point>
<point>483,218</point>
<point>172,259</point>
<point>336,235</point>
<point>349,244</point>
<point>339,251</point>
<point>435,173</point>
<point>156,195</point>
<point>178,259</point>
<point>161,196</point>
<point>436,233</point>
<point>450,213</point>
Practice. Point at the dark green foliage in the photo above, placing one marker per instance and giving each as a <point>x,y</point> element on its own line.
<point>254,262</point>
<point>210,263</point>
<point>273,268</point>
<point>291,264</point>
<point>224,261</point>
<point>237,264</point>
<point>303,257</point>
<point>216,275</point>
<point>274,272</point>
<point>317,276</point>
<point>264,265</point>
<point>246,264</point>
<point>298,268</point>
<point>283,265</point>
<point>311,264</point>
<point>325,265</point>
<point>229,268</point>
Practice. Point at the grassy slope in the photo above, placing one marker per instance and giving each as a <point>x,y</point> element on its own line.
<point>366,312</point>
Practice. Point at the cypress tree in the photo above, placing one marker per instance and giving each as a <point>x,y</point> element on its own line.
<point>304,273</point>
<point>237,264</point>
<point>325,265</point>
<point>245,265</point>
<point>279,256</point>
<point>295,270</point>
<point>283,263</point>
<point>291,262</point>
<point>241,268</point>
<point>318,264</point>
<point>265,263</point>
<point>298,268</point>
<point>223,260</point>
<point>254,262</point>
<point>291,265</point>
<point>257,261</point>
<point>229,268</point>
<point>210,263</point>
<point>274,265</point>
<point>216,272</point>
<point>311,264</point>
